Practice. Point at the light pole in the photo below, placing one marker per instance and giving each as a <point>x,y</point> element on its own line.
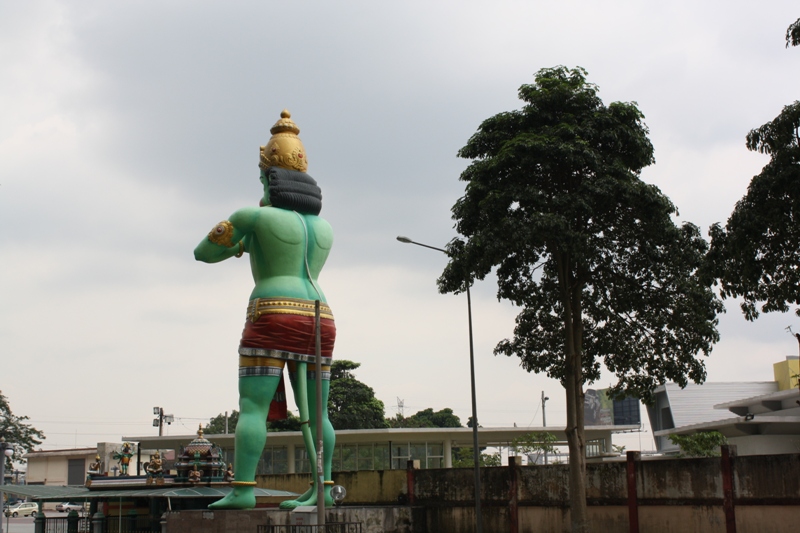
<point>475,449</point>
<point>544,421</point>
<point>159,422</point>
<point>7,450</point>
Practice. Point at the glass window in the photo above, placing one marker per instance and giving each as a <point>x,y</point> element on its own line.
<point>349,457</point>
<point>382,457</point>
<point>274,460</point>
<point>280,460</point>
<point>301,461</point>
<point>336,461</point>
<point>400,456</point>
<point>365,459</point>
<point>419,452</point>
<point>435,455</point>
<point>265,463</point>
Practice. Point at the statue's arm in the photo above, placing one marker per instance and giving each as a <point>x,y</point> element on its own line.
<point>227,239</point>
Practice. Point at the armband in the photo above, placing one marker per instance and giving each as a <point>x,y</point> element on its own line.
<point>222,234</point>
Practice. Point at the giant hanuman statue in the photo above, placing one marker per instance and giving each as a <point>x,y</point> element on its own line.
<point>288,244</point>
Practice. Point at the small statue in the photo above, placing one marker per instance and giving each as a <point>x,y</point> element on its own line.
<point>229,475</point>
<point>195,475</point>
<point>124,458</point>
<point>97,466</point>
<point>155,470</point>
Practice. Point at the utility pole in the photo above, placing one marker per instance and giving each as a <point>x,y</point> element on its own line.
<point>544,420</point>
<point>159,422</point>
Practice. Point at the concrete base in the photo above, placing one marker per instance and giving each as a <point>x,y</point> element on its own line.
<point>388,519</point>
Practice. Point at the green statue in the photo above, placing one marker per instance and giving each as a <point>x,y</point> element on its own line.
<point>288,244</point>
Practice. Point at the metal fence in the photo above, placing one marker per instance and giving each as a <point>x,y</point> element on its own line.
<point>63,525</point>
<point>336,527</point>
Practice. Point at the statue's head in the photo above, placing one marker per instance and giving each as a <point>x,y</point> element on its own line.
<point>283,167</point>
<point>284,149</point>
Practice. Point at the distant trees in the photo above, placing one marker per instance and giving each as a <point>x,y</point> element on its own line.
<point>216,426</point>
<point>427,418</point>
<point>351,403</point>
<point>15,430</point>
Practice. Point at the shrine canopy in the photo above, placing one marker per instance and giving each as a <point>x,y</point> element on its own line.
<point>49,493</point>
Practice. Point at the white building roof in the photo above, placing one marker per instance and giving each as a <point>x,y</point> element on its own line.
<point>696,404</point>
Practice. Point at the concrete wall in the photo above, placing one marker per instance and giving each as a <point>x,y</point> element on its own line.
<point>673,495</point>
<point>365,487</point>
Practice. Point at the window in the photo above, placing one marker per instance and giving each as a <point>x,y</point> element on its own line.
<point>274,460</point>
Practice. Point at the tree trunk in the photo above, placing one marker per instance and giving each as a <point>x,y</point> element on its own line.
<point>573,383</point>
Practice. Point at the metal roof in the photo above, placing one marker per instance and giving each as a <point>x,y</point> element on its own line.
<point>79,493</point>
<point>695,403</point>
<point>488,436</point>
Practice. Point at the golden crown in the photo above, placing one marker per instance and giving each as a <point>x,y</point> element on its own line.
<point>284,149</point>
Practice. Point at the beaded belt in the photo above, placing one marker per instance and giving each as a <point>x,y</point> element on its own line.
<point>285,306</point>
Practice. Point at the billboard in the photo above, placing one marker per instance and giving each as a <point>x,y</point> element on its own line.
<point>600,410</point>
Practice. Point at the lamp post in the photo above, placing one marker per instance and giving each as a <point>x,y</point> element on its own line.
<point>544,420</point>
<point>7,450</point>
<point>475,449</point>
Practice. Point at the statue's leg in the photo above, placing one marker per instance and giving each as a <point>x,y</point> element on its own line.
<point>328,443</point>
<point>255,395</point>
<point>299,381</point>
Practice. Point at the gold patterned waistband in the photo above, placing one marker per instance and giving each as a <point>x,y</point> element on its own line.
<point>285,306</point>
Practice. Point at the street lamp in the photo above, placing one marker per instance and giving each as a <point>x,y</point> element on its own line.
<point>475,449</point>
<point>8,450</point>
<point>544,420</point>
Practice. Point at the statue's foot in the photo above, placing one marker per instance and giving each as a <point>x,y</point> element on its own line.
<point>291,504</point>
<point>239,498</point>
<point>308,498</point>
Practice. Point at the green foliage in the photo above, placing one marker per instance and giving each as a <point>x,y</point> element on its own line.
<point>755,256</point>
<point>427,418</point>
<point>465,458</point>
<point>705,444</point>
<point>14,430</point>
<point>793,34</point>
<point>351,403</point>
<point>589,252</point>
<point>290,423</point>
<point>216,426</point>
<point>534,445</point>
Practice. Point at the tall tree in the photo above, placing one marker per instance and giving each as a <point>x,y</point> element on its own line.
<point>756,256</point>
<point>589,252</point>
<point>351,403</point>
<point>14,429</point>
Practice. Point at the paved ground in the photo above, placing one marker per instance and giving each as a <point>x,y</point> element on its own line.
<point>24,524</point>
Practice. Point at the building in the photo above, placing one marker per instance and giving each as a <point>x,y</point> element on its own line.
<point>386,448</point>
<point>760,418</point>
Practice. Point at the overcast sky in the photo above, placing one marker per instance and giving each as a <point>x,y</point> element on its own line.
<point>129,128</point>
